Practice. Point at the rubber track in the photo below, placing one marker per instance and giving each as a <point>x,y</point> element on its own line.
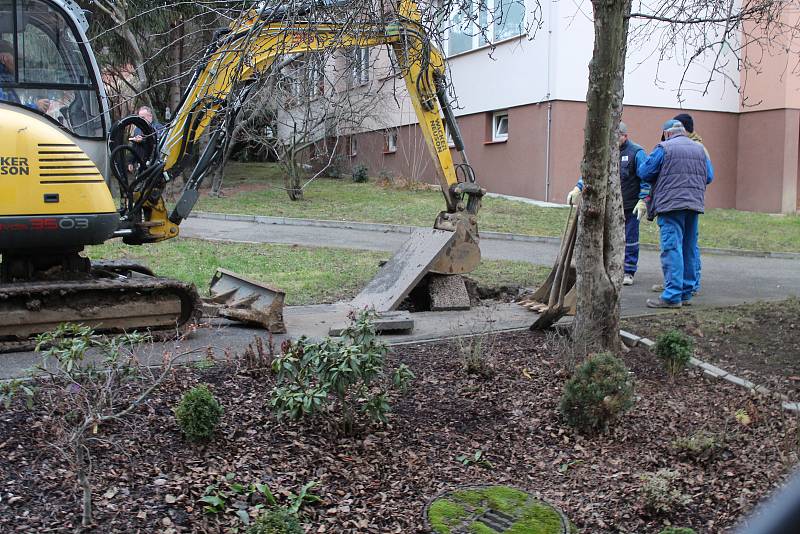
<point>190,300</point>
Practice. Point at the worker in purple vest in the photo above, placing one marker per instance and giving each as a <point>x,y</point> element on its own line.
<point>679,170</point>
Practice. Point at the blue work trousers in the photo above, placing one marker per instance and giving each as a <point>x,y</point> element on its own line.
<point>631,243</point>
<point>679,254</point>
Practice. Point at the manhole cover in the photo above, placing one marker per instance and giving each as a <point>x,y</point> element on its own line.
<point>494,509</point>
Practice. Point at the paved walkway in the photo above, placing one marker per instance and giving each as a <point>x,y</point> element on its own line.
<point>727,279</point>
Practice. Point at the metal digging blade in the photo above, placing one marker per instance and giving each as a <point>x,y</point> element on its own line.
<point>240,299</point>
<point>556,297</point>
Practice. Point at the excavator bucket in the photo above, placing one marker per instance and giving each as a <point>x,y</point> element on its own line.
<point>240,299</point>
<point>556,297</point>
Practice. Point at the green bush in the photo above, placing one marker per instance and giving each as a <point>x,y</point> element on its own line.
<point>660,493</point>
<point>674,349</point>
<point>198,413</point>
<point>677,530</point>
<point>276,521</point>
<point>349,370</point>
<point>600,391</point>
<point>360,174</point>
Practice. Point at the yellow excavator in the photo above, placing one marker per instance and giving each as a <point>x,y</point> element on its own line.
<point>59,153</point>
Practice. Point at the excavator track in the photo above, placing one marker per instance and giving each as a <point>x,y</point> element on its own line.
<point>108,301</point>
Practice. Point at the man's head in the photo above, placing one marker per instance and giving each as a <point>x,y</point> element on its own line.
<point>622,131</point>
<point>7,55</point>
<point>686,120</point>
<point>146,113</point>
<point>673,128</point>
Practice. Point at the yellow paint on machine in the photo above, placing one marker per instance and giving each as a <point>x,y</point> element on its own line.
<point>38,161</point>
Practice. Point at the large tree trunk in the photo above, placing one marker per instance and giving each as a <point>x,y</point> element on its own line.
<point>601,240</point>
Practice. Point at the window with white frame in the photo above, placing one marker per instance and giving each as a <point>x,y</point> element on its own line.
<point>360,65</point>
<point>390,146</point>
<point>500,126</point>
<point>476,23</point>
<point>352,145</point>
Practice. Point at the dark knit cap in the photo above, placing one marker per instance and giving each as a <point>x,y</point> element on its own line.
<point>687,121</point>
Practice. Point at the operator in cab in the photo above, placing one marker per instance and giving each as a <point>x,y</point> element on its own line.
<point>7,69</point>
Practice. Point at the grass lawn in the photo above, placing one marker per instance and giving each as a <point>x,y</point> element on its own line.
<point>258,190</point>
<point>307,275</point>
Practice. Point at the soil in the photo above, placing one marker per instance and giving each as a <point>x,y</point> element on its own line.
<point>148,479</point>
<point>759,342</point>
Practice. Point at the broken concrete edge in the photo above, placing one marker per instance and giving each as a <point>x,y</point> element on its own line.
<point>499,236</point>
<point>632,340</point>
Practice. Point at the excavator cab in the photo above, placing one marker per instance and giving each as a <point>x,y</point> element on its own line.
<point>53,125</point>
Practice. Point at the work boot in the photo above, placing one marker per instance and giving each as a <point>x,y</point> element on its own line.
<point>661,303</point>
<point>658,288</point>
<point>627,280</point>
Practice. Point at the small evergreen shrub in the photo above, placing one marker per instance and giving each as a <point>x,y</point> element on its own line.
<point>600,391</point>
<point>674,349</point>
<point>360,174</point>
<point>700,445</point>
<point>276,521</point>
<point>659,492</point>
<point>678,530</point>
<point>198,413</point>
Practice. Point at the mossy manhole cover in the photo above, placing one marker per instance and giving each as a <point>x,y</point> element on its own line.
<point>493,509</point>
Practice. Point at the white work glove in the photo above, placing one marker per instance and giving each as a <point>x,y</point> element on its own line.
<point>573,196</point>
<point>640,210</point>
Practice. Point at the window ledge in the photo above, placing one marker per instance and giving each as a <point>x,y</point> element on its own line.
<point>487,45</point>
<point>390,151</point>
<point>495,142</point>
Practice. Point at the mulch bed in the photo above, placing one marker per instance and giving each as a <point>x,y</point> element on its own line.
<point>381,480</point>
<point>759,341</point>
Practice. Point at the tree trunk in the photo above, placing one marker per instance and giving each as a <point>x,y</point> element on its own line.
<point>601,241</point>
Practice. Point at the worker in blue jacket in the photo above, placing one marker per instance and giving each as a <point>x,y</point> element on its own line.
<point>634,191</point>
<point>679,170</point>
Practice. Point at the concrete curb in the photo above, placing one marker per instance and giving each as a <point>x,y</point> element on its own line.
<point>407,229</point>
<point>632,340</point>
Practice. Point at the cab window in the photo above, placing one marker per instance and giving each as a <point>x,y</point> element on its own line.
<point>43,68</point>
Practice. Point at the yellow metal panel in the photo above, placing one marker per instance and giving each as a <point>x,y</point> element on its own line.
<point>38,159</point>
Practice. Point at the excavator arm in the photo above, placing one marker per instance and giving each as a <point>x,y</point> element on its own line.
<point>260,41</point>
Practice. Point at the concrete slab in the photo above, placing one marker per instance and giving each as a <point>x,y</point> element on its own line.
<point>403,271</point>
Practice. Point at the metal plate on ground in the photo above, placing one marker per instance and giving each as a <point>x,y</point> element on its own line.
<point>403,271</point>
<point>241,299</point>
<point>496,509</point>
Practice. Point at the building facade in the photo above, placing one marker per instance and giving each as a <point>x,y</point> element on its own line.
<point>521,108</point>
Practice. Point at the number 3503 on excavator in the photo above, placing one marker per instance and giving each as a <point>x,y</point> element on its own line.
<point>59,153</point>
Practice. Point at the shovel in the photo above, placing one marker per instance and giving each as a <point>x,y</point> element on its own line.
<point>556,297</point>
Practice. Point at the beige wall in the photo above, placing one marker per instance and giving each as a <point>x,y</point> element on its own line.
<point>767,160</point>
<point>755,155</point>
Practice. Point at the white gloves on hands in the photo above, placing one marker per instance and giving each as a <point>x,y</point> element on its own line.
<point>573,196</point>
<point>640,210</point>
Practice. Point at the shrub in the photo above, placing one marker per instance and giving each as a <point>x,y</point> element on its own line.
<point>659,493</point>
<point>198,413</point>
<point>700,445</point>
<point>600,391</point>
<point>677,530</point>
<point>477,354</point>
<point>276,521</point>
<point>674,349</point>
<point>350,369</point>
<point>360,173</point>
